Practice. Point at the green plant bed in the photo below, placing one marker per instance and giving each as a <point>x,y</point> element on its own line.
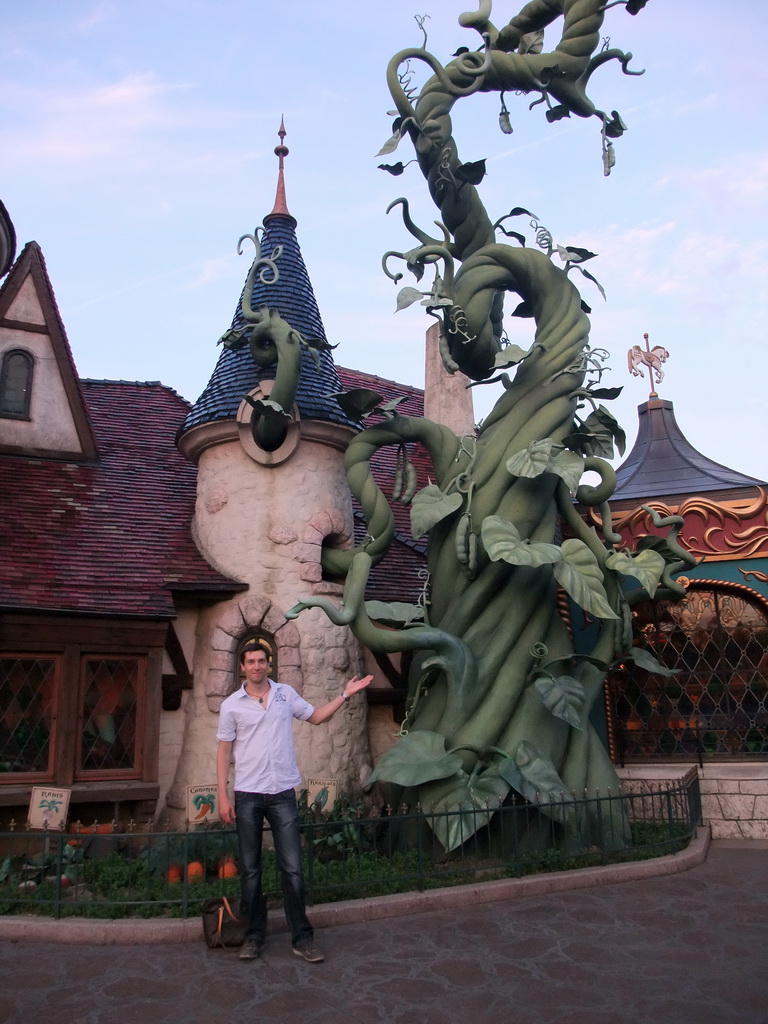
<point>134,883</point>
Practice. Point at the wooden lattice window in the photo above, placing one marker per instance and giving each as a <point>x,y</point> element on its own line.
<point>109,715</point>
<point>28,691</point>
<point>55,728</point>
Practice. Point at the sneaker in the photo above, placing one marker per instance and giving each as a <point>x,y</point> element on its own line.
<point>250,949</point>
<point>310,953</point>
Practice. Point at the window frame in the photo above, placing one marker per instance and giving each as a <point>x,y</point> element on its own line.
<point>81,774</point>
<point>49,773</point>
<point>703,726</point>
<point>29,359</point>
<point>70,639</point>
<point>68,702</point>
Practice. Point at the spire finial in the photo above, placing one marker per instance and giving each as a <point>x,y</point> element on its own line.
<point>281,151</point>
<point>653,358</point>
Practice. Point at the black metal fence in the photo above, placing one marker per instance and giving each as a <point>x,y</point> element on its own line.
<point>105,871</point>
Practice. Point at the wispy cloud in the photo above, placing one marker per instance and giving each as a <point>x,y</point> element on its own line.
<point>81,122</point>
<point>97,16</point>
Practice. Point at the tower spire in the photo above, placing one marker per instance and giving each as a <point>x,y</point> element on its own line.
<point>281,151</point>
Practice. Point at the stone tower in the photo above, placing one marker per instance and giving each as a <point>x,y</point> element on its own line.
<point>263,511</point>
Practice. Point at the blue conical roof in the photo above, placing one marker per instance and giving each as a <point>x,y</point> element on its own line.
<point>291,294</point>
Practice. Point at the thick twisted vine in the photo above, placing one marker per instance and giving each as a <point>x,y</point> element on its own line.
<point>499,699</point>
<point>441,444</point>
<point>448,654</point>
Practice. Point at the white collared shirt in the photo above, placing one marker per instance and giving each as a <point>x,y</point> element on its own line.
<point>262,738</point>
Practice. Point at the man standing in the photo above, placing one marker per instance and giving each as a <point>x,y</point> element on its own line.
<point>255,728</point>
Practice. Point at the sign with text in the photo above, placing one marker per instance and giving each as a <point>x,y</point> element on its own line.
<point>202,804</point>
<point>48,808</point>
<point>316,786</point>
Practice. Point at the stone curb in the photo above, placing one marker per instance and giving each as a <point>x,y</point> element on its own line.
<point>135,932</point>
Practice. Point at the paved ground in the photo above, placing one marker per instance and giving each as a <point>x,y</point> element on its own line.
<point>689,947</point>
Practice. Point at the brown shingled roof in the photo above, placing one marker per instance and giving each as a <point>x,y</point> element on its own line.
<point>111,536</point>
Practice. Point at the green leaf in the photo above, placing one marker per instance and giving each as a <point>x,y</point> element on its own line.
<point>318,344</point>
<point>392,404</point>
<point>577,441</point>
<point>472,173</point>
<point>573,254</point>
<point>601,446</point>
<point>602,421</point>
<point>502,542</point>
<point>569,466</point>
<point>509,356</point>
<point>267,408</point>
<point>557,113</point>
<point>394,613</point>
<point>646,567</point>
<point>513,234</point>
<point>429,507</point>
<point>651,542</point>
<point>407,296</point>
<point>643,658</point>
<point>593,279</point>
<point>394,169</point>
<point>564,697</point>
<point>579,574</point>
<point>537,458</point>
<point>471,799</point>
<point>390,145</point>
<point>608,393</point>
<point>535,777</point>
<point>531,461</point>
<point>357,402</point>
<point>415,759</point>
<point>615,128</point>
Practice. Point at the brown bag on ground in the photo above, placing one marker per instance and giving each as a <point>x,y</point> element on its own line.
<point>223,927</point>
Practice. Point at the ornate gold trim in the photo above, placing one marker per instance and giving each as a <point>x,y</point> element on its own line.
<point>740,588</point>
<point>713,530</point>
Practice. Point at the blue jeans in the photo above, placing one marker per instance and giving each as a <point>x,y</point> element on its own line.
<point>283,817</point>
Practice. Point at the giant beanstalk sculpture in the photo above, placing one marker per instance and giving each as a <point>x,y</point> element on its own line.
<point>499,699</point>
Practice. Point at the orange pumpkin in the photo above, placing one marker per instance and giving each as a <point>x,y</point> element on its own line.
<point>227,867</point>
<point>174,874</point>
<point>195,871</point>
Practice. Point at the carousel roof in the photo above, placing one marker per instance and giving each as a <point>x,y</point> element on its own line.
<point>663,462</point>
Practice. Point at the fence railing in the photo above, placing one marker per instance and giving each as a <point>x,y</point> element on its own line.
<point>105,871</point>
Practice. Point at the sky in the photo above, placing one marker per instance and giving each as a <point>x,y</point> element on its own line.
<point>137,145</point>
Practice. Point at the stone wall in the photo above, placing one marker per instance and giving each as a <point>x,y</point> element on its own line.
<point>734,795</point>
<point>265,526</point>
<point>734,799</point>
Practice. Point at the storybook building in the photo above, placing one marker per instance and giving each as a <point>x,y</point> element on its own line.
<point>145,540</point>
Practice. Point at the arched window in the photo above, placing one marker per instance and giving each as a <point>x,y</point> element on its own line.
<point>16,384</point>
<point>715,705</point>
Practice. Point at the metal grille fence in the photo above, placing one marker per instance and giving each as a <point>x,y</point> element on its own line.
<point>103,871</point>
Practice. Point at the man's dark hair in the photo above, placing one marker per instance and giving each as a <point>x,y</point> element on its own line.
<point>253,645</point>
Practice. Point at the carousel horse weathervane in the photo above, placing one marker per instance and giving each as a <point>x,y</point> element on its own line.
<point>653,359</point>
